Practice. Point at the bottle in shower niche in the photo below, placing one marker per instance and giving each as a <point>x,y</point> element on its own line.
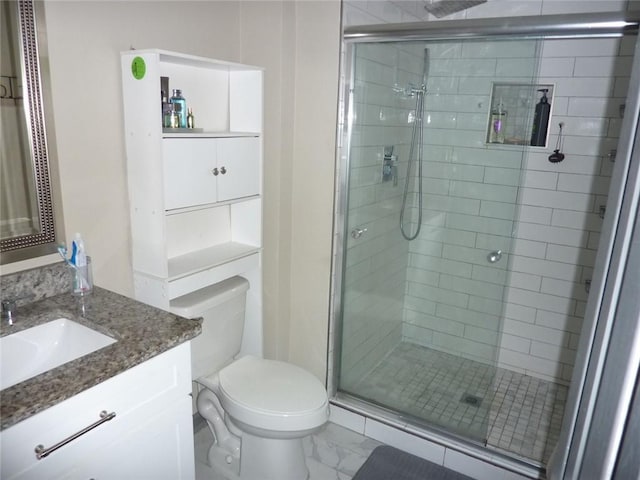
<point>541,120</point>
<point>497,124</point>
<point>180,107</point>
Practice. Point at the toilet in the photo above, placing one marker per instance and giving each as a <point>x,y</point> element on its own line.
<point>258,410</point>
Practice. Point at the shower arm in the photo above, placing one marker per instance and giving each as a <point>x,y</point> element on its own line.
<point>607,24</point>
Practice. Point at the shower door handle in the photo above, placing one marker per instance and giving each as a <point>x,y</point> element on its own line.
<point>358,232</point>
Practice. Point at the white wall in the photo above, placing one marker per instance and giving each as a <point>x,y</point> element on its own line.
<point>86,84</point>
<point>314,140</point>
<point>298,44</point>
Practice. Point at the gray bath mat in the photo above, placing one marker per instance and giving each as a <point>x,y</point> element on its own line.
<point>388,463</point>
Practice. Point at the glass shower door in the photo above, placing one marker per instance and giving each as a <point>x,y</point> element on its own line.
<point>437,136</point>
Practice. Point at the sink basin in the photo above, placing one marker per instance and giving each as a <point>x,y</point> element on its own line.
<point>36,350</point>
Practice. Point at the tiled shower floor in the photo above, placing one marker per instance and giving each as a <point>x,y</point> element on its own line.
<point>500,408</point>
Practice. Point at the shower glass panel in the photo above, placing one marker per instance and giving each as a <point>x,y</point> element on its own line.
<point>421,318</point>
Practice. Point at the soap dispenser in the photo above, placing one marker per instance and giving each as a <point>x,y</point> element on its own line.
<point>541,120</point>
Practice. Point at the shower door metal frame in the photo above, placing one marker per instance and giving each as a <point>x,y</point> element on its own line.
<point>570,26</point>
<point>340,226</point>
<point>585,25</point>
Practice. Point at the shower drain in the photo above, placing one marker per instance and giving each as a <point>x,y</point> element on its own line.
<point>472,400</point>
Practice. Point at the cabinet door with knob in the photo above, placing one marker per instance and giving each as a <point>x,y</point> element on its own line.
<point>239,158</point>
<point>200,171</point>
<point>190,170</point>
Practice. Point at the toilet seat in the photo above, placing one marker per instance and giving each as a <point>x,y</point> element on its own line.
<point>272,395</point>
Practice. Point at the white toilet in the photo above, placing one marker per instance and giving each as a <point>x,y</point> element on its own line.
<point>258,410</point>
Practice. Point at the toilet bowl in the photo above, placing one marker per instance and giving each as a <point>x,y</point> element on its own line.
<point>271,406</point>
<point>258,410</point>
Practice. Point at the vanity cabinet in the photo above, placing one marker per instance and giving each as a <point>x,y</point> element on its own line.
<point>150,436</point>
<point>195,195</point>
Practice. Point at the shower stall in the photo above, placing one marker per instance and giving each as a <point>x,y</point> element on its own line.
<point>468,221</point>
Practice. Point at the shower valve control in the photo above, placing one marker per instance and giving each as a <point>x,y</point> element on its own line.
<point>389,167</point>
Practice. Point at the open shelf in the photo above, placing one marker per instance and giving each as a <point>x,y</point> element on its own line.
<point>194,262</point>
<point>166,133</point>
<point>511,114</point>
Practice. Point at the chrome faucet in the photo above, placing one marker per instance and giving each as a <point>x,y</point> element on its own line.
<point>8,311</point>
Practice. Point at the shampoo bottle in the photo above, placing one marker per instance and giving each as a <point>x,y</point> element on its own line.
<point>541,120</point>
<point>497,124</point>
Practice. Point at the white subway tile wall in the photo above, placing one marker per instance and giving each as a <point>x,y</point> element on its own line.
<point>560,205</point>
<point>472,190</point>
<point>529,319</point>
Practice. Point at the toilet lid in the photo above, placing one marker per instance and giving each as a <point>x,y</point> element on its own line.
<point>272,395</point>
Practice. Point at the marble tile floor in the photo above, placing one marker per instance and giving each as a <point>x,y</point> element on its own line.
<point>333,453</point>
<point>500,408</point>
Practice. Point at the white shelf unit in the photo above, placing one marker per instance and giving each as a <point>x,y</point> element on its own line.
<point>195,197</point>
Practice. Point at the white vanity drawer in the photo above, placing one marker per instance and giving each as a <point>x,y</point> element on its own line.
<point>136,395</point>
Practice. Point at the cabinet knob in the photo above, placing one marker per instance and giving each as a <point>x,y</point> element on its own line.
<point>223,170</point>
<point>215,172</point>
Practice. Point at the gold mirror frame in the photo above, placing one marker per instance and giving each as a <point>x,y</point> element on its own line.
<point>36,91</point>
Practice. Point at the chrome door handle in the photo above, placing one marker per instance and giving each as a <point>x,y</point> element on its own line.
<point>358,232</point>
<point>42,452</point>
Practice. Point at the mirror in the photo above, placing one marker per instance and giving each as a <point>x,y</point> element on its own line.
<point>27,223</point>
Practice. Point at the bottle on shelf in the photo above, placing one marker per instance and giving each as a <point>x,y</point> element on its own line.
<point>172,117</point>
<point>190,119</point>
<point>497,124</point>
<point>541,120</point>
<point>180,106</point>
<point>166,108</point>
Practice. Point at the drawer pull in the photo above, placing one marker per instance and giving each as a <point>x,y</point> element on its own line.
<point>42,452</point>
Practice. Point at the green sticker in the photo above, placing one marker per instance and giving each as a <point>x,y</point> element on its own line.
<point>138,68</point>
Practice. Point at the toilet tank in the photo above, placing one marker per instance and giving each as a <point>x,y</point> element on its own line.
<point>222,308</point>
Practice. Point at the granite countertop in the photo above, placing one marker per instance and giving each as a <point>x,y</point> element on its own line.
<point>141,331</point>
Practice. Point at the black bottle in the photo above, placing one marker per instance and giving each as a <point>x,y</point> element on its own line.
<point>541,120</point>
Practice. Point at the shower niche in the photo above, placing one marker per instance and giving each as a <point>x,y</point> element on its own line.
<point>520,114</point>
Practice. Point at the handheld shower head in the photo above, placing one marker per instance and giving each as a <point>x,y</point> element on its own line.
<point>442,8</point>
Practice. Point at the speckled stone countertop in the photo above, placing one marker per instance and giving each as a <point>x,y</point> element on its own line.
<point>141,331</point>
